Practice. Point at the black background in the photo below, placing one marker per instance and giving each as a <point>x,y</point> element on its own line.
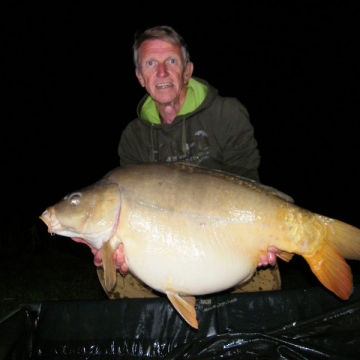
<point>69,88</point>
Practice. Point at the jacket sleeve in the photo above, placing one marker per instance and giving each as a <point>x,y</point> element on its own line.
<point>235,134</point>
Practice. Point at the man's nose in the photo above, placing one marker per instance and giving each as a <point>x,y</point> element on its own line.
<point>162,69</point>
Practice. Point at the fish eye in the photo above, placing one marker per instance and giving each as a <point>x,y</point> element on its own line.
<point>75,199</point>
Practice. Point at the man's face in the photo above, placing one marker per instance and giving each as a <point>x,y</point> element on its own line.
<point>162,72</point>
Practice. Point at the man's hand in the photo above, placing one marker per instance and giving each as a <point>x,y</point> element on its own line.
<point>119,256</point>
<point>270,257</point>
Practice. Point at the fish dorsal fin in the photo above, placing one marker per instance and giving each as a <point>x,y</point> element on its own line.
<point>185,305</point>
<point>109,267</point>
<point>241,180</point>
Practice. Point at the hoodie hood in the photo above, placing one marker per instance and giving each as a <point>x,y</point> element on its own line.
<point>200,94</point>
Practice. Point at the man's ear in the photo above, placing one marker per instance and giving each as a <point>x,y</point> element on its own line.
<point>140,77</point>
<point>188,71</point>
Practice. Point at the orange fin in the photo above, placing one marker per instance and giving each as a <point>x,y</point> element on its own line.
<point>285,256</point>
<point>185,305</point>
<point>345,237</point>
<point>109,267</point>
<point>332,271</point>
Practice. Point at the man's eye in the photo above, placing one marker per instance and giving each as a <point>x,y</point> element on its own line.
<point>150,63</point>
<point>172,61</point>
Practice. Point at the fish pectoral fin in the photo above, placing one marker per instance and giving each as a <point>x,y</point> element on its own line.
<point>185,305</point>
<point>285,256</point>
<point>109,266</point>
<point>332,270</point>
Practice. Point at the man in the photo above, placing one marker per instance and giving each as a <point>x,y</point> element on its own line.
<point>183,118</point>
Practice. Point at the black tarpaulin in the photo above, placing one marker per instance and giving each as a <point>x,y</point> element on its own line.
<point>289,324</point>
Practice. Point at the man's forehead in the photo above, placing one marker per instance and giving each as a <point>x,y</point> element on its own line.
<point>158,47</point>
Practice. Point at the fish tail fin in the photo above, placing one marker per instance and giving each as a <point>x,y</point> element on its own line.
<point>329,265</point>
<point>346,238</point>
<point>109,267</point>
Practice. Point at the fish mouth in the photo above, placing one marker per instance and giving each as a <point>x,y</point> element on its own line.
<point>50,221</point>
<point>56,228</point>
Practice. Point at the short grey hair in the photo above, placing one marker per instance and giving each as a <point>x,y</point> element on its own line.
<point>165,33</point>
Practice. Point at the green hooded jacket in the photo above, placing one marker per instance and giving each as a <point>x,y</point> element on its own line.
<point>210,130</point>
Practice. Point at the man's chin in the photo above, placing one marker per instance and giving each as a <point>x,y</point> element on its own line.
<point>163,98</point>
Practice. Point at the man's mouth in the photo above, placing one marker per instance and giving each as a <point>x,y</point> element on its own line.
<point>163,85</point>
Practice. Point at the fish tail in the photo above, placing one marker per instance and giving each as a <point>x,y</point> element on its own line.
<point>342,241</point>
<point>346,238</point>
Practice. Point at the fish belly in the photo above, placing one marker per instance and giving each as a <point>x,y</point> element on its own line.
<point>201,273</point>
<point>188,255</point>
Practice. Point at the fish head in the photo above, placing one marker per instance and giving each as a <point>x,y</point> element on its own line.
<point>90,214</point>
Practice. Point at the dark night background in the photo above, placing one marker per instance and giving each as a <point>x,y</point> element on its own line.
<point>69,88</point>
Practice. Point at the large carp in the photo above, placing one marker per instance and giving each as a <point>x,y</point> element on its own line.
<point>190,231</point>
